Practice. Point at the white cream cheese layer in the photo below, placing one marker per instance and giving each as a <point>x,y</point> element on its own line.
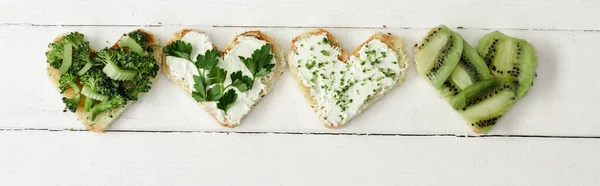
<point>185,70</point>
<point>341,89</point>
<point>232,63</point>
<point>182,68</point>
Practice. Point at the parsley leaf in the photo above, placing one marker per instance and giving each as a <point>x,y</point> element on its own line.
<point>200,93</point>
<point>242,83</point>
<point>241,86</point>
<point>227,100</point>
<point>216,75</point>
<point>209,60</point>
<point>215,93</point>
<point>179,49</point>
<point>259,65</point>
<point>260,62</point>
<point>265,70</point>
<point>250,64</point>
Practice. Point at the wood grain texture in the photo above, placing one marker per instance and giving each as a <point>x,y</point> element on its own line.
<point>55,158</point>
<point>515,14</point>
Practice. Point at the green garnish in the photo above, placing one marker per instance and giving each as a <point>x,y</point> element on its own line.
<point>325,52</point>
<point>126,41</point>
<point>311,65</point>
<point>179,49</point>
<point>207,63</point>
<point>227,100</point>
<point>66,81</point>
<point>139,37</point>
<point>55,54</point>
<point>71,56</point>
<point>114,72</point>
<point>209,83</point>
<point>67,58</point>
<point>242,83</point>
<point>105,106</point>
<point>89,93</point>
<point>210,75</point>
<point>84,69</point>
<point>89,103</point>
<point>72,103</point>
<point>260,62</point>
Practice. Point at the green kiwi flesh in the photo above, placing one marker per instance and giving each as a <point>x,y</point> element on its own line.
<point>483,103</point>
<point>471,68</point>
<point>480,83</point>
<point>509,58</point>
<point>472,93</point>
<point>438,54</point>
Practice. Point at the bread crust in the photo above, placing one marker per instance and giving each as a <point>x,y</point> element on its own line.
<point>391,41</point>
<point>267,80</point>
<point>103,120</point>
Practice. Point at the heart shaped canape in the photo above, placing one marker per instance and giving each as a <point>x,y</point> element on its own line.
<point>226,84</point>
<point>340,85</point>
<point>462,75</point>
<point>99,86</point>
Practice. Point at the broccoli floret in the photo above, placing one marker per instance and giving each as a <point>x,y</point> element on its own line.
<point>146,67</point>
<point>72,103</point>
<point>74,38</point>
<point>81,57</point>
<point>99,82</point>
<point>67,81</point>
<point>144,64</point>
<point>55,54</point>
<point>111,57</point>
<point>107,54</point>
<point>134,70</point>
<point>140,37</point>
<point>113,102</point>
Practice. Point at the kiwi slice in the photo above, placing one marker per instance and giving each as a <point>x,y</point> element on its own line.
<point>510,58</point>
<point>484,102</point>
<point>471,68</point>
<point>481,84</point>
<point>438,54</point>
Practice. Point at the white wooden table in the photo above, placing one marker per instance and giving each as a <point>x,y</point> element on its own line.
<point>410,137</point>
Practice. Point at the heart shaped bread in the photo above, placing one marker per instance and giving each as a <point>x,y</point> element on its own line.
<point>340,85</point>
<point>226,84</point>
<point>480,84</point>
<point>104,114</point>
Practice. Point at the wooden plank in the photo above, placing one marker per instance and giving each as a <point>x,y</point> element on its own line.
<point>515,14</point>
<point>560,103</point>
<point>81,158</point>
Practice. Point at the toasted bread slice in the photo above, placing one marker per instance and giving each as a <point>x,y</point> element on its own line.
<point>103,120</point>
<point>394,43</point>
<point>267,80</point>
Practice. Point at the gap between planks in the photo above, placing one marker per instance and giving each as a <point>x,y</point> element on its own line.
<point>282,27</point>
<point>310,133</point>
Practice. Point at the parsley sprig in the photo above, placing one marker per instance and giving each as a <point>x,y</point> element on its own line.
<point>209,84</point>
<point>260,63</point>
<point>210,75</point>
<point>179,49</point>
